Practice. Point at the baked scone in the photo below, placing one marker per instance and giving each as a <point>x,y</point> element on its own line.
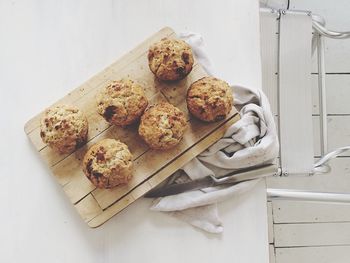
<point>162,126</point>
<point>64,128</point>
<point>209,99</point>
<point>121,102</point>
<point>108,163</point>
<point>170,59</point>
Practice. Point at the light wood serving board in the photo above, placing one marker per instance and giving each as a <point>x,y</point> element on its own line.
<point>151,167</point>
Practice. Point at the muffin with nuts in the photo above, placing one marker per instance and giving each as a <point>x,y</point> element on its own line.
<point>108,163</point>
<point>121,102</point>
<point>170,59</point>
<point>209,99</point>
<point>162,126</point>
<point>63,128</point>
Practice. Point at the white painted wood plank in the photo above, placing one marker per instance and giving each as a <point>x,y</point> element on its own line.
<point>338,180</point>
<point>272,254</point>
<point>337,88</point>
<point>316,135</point>
<point>269,41</point>
<point>338,133</point>
<point>271,93</point>
<point>337,56</point>
<point>338,94</point>
<point>331,254</point>
<point>310,234</point>
<point>269,51</point>
<point>294,88</point>
<point>309,212</point>
<point>270,221</point>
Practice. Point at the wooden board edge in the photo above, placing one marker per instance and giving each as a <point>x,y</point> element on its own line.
<point>210,139</point>
<point>111,211</point>
<point>88,208</point>
<point>165,30</point>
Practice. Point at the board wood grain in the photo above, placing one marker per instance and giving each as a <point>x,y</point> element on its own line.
<point>151,167</point>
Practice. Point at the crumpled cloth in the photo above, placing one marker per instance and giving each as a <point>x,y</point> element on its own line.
<point>249,142</point>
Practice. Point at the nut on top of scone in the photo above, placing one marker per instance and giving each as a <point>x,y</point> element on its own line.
<point>162,126</point>
<point>209,99</point>
<point>108,163</point>
<point>170,59</point>
<point>121,102</point>
<point>64,128</point>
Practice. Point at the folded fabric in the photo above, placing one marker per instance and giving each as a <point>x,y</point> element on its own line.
<point>249,142</point>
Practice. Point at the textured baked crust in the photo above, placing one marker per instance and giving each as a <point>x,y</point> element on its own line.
<point>108,163</point>
<point>209,99</point>
<point>122,102</point>
<point>162,126</point>
<point>170,59</point>
<point>64,128</point>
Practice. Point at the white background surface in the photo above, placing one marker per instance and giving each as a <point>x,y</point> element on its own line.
<point>47,48</point>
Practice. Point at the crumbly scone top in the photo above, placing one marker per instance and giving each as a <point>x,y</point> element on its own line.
<point>210,98</point>
<point>108,158</point>
<point>162,125</point>
<point>170,59</point>
<point>61,122</point>
<point>121,101</point>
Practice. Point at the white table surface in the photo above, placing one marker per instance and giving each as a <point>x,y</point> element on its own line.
<point>47,48</point>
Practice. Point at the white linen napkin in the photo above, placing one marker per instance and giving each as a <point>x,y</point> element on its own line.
<point>249,142</point>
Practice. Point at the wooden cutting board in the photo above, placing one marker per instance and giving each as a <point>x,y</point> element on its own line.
<point>151,167</point>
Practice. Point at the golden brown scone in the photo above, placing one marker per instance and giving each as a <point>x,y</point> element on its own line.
<point>64,128</point>
<point>108,163</point>
<point>121,102</point>
<point>209,99</point>
<point>170,59</point>
<point>162,126</point>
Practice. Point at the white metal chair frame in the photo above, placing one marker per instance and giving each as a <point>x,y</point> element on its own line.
<point>320,32</point>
